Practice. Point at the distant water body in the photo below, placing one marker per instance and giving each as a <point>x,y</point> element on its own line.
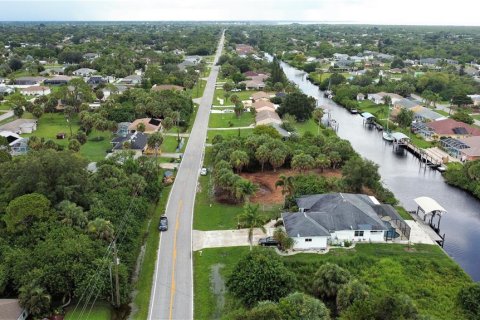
<point>403,175</point>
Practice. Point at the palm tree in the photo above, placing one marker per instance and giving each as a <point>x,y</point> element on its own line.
<point>277,158</point>
<point>72,215</point>
<point>262,155</point>
<point>238,109</point>
<point>239,159</point>
<point>322,162</point>
<point>302,162</point>
<point>244,189</point>
<point>35,299</point>
<point>318,115</point>
<point>101,229</point>
<point>251,219</point>
<point>287,184</point>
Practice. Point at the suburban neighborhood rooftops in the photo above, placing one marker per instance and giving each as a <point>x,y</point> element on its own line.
<point>299,224</point>
<point>429,114</point>
<point>260,95</point>
<point>341,211</point>
<point>407,103</point>
<point>269,116</point>
<point>473,144</point>
<point>36,89</point>
<point>151,125</point>
<point>138,141</point>
<point>262,104</point>
<point>449,126</point>
<point>162,87</point>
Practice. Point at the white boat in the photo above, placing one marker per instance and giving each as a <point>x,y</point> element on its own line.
<point>387,135</point>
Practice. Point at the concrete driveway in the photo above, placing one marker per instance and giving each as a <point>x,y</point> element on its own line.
<point>226,238</point>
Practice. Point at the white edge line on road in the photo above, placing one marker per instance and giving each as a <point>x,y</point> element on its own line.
<point>221,45</point>
<point>152,294</point>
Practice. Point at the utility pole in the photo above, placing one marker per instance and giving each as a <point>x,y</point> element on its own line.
<point>117,282</point>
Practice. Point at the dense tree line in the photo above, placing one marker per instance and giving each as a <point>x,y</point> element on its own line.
<point>466,177</point>
<point>58,221</point>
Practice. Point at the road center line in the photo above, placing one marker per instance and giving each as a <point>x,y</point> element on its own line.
<point>174,260</point>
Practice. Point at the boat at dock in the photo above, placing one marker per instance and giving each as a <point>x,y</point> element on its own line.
<point>387,136</point>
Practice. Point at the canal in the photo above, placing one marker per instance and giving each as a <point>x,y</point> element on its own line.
<point>404,176</point>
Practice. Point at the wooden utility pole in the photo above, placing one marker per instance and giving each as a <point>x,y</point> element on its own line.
<point>117,282</point>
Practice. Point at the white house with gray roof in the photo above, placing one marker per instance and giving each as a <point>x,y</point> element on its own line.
<point>334,218</point>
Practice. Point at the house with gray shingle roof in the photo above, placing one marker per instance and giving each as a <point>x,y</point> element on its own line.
<point>333,218</point>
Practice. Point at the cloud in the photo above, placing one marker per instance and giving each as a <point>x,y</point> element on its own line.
<point>422,12</point>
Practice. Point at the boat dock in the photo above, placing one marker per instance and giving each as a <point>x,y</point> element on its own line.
<point>431,211</point>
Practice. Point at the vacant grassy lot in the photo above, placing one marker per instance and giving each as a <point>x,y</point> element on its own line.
<point>380,111</point>
<point>96,149</point>
<point>307,126</point>
<point>143,287</point>
<point>228,133</point>
<point>169,144</point>
<point>50,124</point>
<point>198,89</point>
<point>425,273</point>
<point>101,311</point>
<point>227,120</point>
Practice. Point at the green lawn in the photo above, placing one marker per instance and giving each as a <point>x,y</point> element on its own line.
<point>442,112</point>
<point>227,120</point>
<point>4,106</point>
<point>145,278</point>
<point>425,273</point>
<point>310,126</point>
<point>169,144</point>
<point>243,95</point>
<point>477,116</point>
<point>96,149</point>
<point>380,111</point>
<point>403,213</point>
<point>52,123</point>
<point>101,311</point>
<point>211,215</point>
<point>316,77</point>
<point>228,133</point>
<point>198,89</point>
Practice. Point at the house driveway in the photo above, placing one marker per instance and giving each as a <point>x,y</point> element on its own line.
<point>226,238</point>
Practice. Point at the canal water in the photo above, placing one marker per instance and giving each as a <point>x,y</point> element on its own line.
<point>404,176</point>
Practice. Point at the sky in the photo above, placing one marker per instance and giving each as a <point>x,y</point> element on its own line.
<point>403,12</point>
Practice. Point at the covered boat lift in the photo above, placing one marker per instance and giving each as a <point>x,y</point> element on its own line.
<point>399,140</point>
<point>430,207</point>
<point>368,119</point>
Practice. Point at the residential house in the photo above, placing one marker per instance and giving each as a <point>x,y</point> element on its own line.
<point>58,80</point>
<point>261,95</point>
<point>250,74</point>
<point>189,61</point>
<point>16,143</point>
<point>6,90</point>
<point>91,56</point>
<point>378,98</point>
<point>162,87</point>
<point>340,56</point>
<point>267,117</point>
<point>10,309</point>
<point>335,218</point>
<point>84,72</point>
<point>20,126</point>
<point>136,141</point>
<point>254,84</point>
<point>429,62</point>
<point>445,128</point>
<point>132,80</point>
<point>261,105</point>
<point>425,114</point>
<point>35,91</point>
<point>29,81</point>
<point>466,149</point>
<point>96,80</point>
<point>360,97</point>
<point>53,71</point>
<point>122,129</point>
<point>151,125</point>
<point>475,98</point>
<point>405,103</point>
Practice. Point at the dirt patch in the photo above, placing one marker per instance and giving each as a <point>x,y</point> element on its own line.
<point>266,180</point>
<point>218,287</point>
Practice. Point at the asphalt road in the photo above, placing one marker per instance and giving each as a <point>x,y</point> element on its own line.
<point>172,290</point>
